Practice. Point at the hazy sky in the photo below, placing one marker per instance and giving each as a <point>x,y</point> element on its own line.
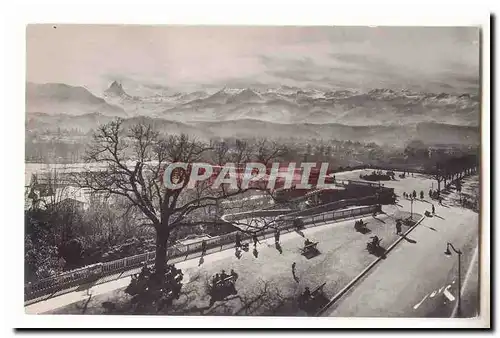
<point>186,58</point>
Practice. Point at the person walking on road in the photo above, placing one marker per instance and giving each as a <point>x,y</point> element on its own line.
<point>398,227</point>
<point>203,247</point>
<point>234,275</point>
<point>255,240</point>
<point>238,240</point>
<point>293,272</point>
<point>277,236</point>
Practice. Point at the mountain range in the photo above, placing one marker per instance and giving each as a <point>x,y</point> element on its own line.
<point>379,106</point>
<point>380,115</point>
<point>279,105</point>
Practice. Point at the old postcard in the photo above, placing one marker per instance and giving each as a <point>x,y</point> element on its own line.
<point>299,171</point>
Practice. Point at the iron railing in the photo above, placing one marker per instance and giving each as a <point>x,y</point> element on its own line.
<point>93,273</point>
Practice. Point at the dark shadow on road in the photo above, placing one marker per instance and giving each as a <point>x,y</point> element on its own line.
<point>278,247</point>
<point>379,252</point>
<point>430,228</point>
<point>426,201</point>
<point>378,219</point>
<point>364,231</point>
<point>201,261</point>
<point>255,253</point>
<point>311,253</point>
<point>86,286</point>
<point>438,216</point>
<point>299,232</point>
<point>84,308</point>
<point>409,240</point>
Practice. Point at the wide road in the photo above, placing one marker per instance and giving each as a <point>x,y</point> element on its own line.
<point>417,279</point>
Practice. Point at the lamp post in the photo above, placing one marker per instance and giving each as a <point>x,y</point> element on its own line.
<point>459,253</point>
<point>411,203</point>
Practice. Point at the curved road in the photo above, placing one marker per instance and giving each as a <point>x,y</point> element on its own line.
<point>417,279</point>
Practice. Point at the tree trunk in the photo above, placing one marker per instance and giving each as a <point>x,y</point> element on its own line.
<point>161,252</point>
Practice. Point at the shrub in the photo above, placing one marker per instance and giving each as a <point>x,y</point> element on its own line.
<point>148,289</point>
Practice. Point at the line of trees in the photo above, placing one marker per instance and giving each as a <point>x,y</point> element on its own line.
<point>455,168</point>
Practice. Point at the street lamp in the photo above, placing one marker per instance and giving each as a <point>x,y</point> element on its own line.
<point>411,203</point>
<point>459,253</point>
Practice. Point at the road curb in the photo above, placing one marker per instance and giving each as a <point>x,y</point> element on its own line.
<point>365,271</point>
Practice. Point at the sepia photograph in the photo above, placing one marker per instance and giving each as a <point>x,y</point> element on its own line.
<point>244,170</point>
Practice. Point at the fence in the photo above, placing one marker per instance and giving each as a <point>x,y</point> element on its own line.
<point>368,184</point>
<point>94,272</point>
<point>255,213</point>
<point>334,215</point>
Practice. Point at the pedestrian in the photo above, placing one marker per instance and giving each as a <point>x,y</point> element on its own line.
<point>203,247</point>
<point>237,252</point>
<point>398,227</point>
<point>433,209</point>
<point>238,240</point>
<point>234,275</point>
<point>215,279</point>
<point>293,272</point>
<point>307,293</point>
<point>277,236</point>
<point>255,240</point>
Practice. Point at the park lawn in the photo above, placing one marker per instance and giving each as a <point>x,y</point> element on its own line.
<point>266,285</point>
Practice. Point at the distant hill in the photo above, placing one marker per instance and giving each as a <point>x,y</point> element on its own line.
<point>57,98</point>
<point>394,135</point>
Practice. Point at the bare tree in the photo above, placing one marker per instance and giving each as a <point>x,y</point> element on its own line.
<point>134,161</point>
<point>438,176</point>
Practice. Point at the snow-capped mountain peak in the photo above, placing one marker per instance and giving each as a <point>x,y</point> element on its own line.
<point>116,89</point>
